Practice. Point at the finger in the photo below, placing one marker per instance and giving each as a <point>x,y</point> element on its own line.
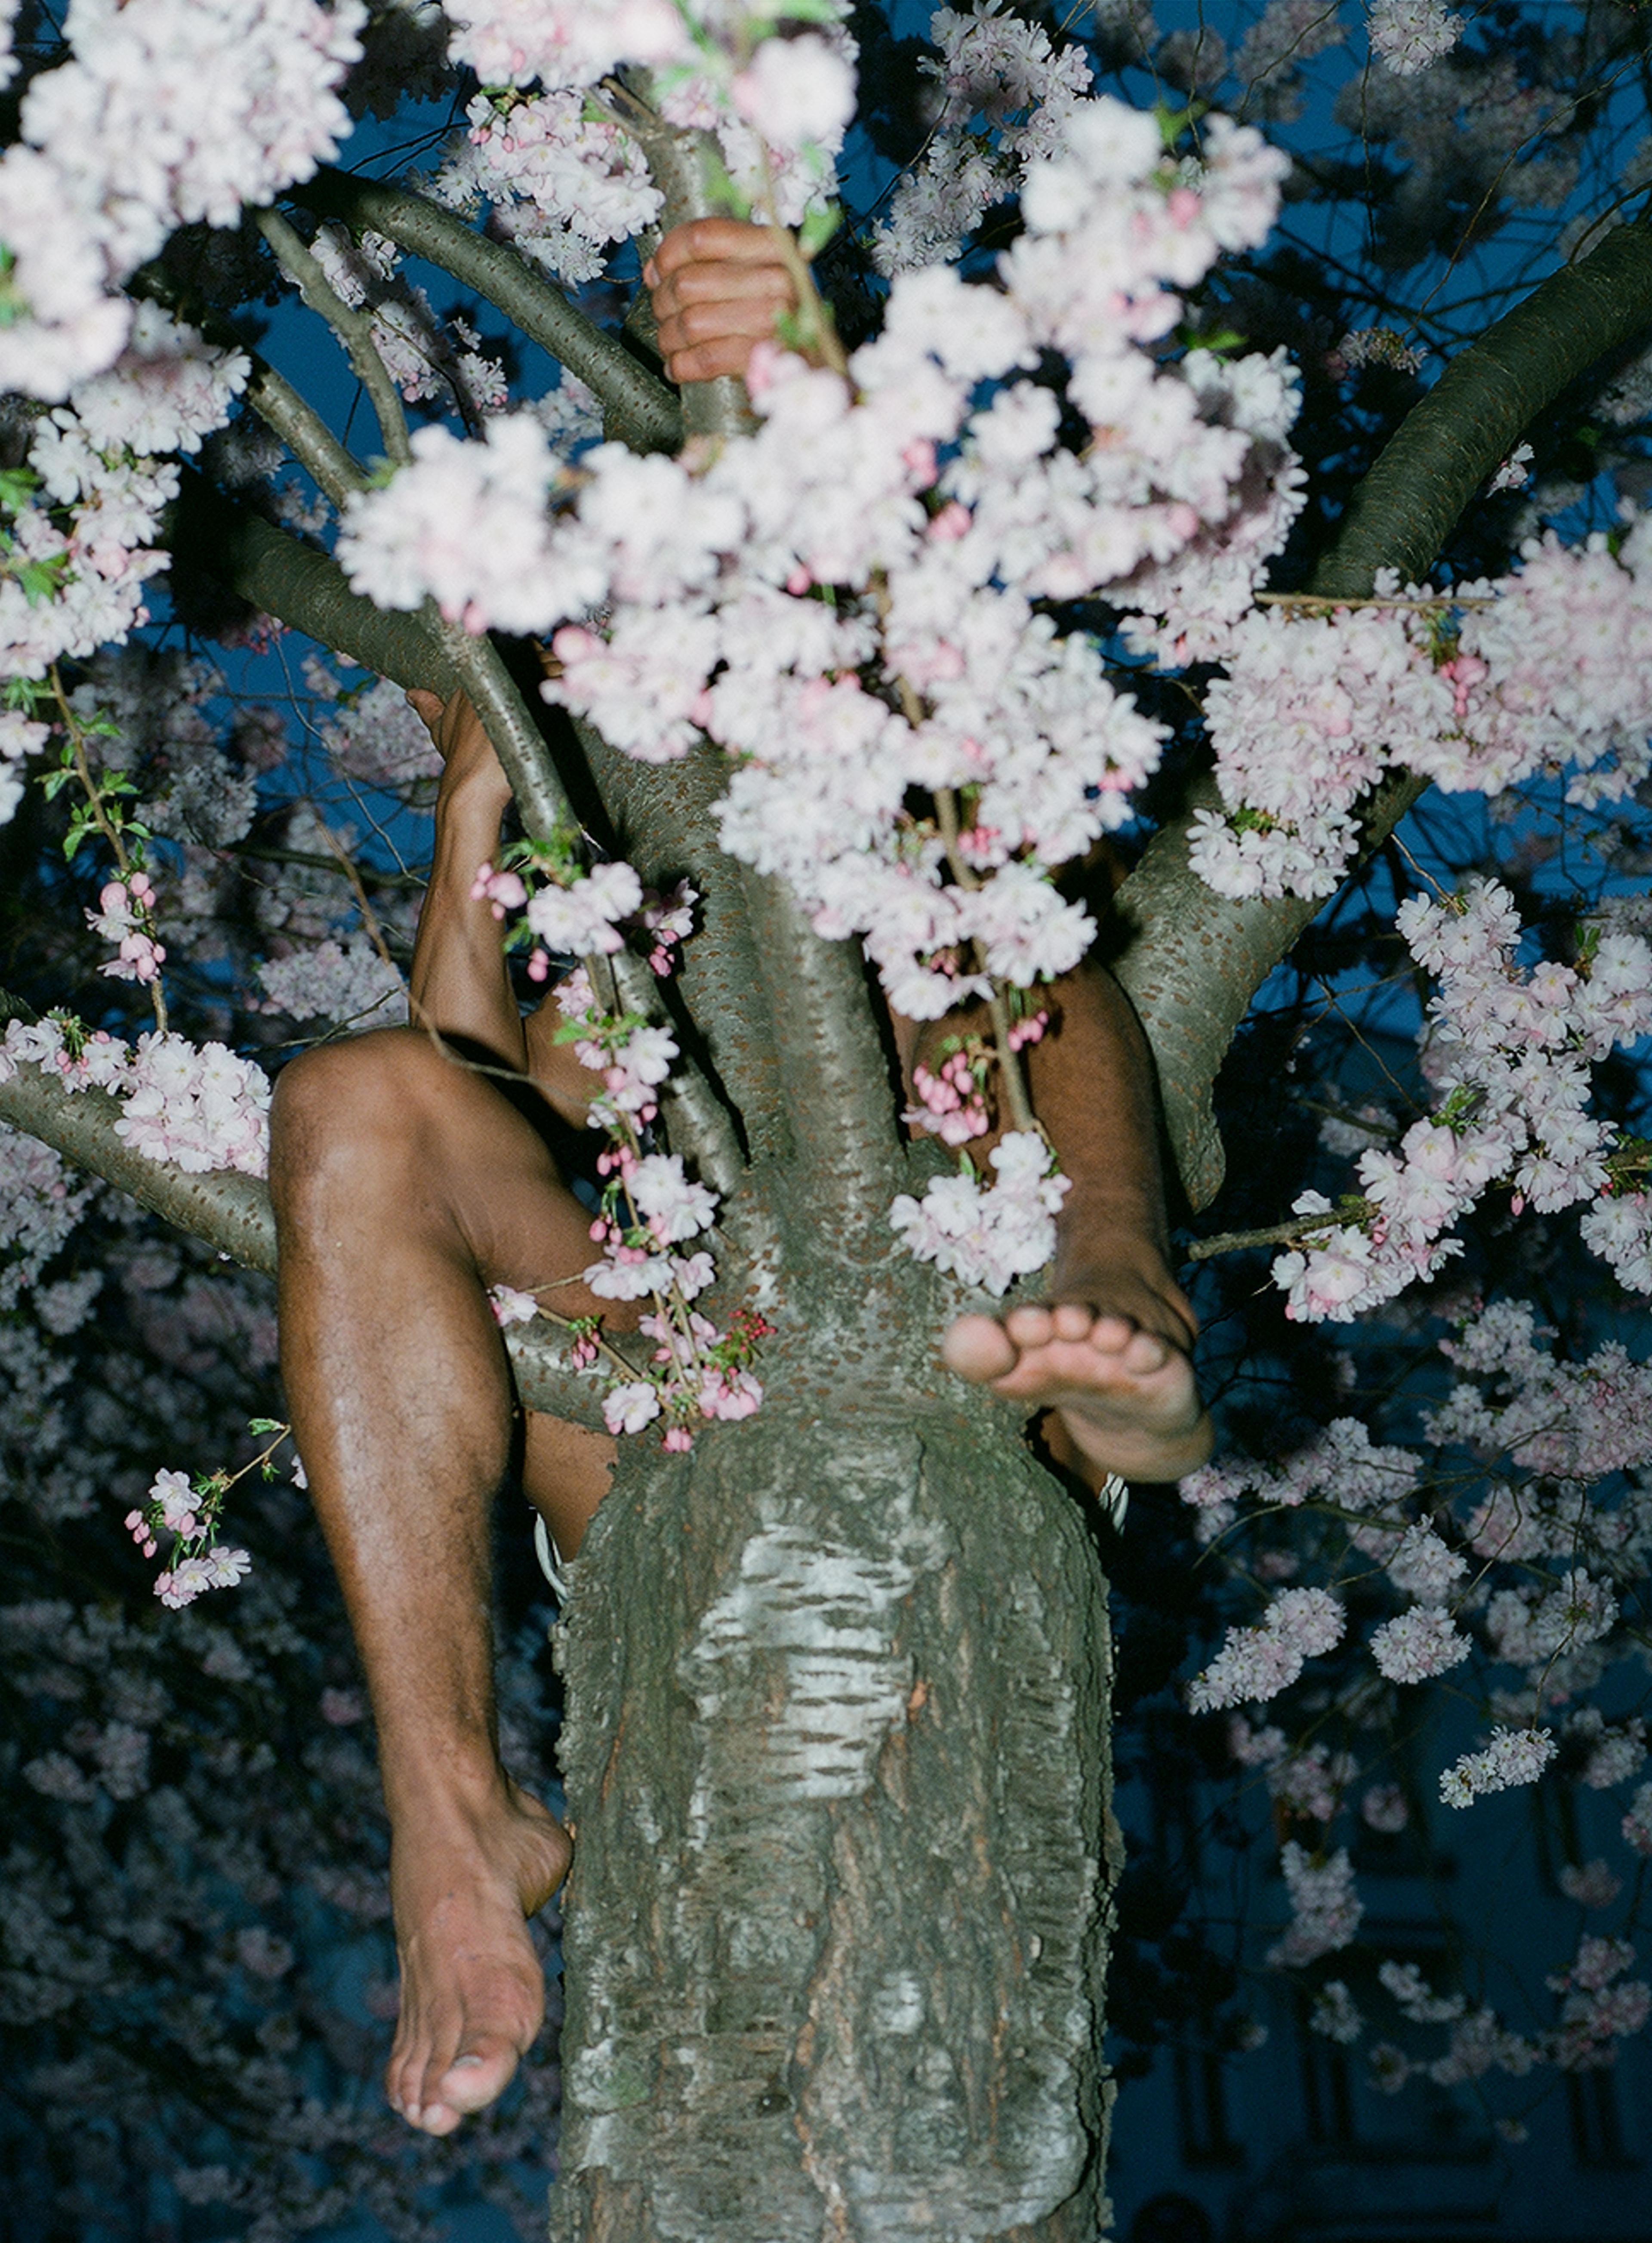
<point>703,325</point>
<point>708,339</point>
<point>714,240</point>
<point>719,283</point>
<point>706,361</point>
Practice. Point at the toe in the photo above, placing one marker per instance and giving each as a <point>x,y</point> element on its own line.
<point>1112,1335</point>
<point>473,2080</point>
<point>1143,1353</point>
<point>978,1348</point>
<point>433,2117</point>
<point>1030,1326</point>
<point>404,2073</point>
<point>1073,1320</point>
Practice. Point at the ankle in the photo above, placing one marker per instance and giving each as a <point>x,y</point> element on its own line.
<point>461,1789</point>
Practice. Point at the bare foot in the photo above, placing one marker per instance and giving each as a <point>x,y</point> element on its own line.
<point>1118,1377</point>
<point>462,1885</point>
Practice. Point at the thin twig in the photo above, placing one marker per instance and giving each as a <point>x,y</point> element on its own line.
<point>101,819</point>
<point>1276,1234</point>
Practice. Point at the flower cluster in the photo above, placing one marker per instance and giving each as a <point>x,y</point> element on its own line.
<point>75,552</point>
<point>1526,1554</point>
<point>465,526</point>
<point>1325,1908</point>
<point>554,159</point>
<point>189,1510</point>
<point>1408,35</point>
<point>1005,95</point>
<point>562,185</point>
<point>192,1108</point>
<point>1513,1756</point>
<point>125,916</point>
<point>1255,1664</point>
<point>1479,689</point>
<point>988,1237</point>
<point>166,111</point>
<point>1509,1050</point>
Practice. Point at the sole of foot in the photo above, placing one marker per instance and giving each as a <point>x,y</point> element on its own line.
<point>1125,1395</point>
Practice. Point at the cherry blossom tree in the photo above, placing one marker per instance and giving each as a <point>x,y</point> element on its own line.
<point>1110,501</point>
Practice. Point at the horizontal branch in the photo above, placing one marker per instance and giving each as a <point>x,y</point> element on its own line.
<point>639,409</point>
<point>232,1212</point>
<point>1195,959</point>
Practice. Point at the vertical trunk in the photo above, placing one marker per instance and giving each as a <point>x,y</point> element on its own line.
<point>837,1759</point>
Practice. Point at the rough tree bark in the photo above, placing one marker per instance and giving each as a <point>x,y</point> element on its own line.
<point>836,1749</point>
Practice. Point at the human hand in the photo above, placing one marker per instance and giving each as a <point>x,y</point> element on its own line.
<point>718,286</point>
<point>471,770</point>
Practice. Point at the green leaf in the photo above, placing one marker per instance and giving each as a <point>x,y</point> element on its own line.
<point>1172,123</point>
<point>722,192</point>
<point>39,580</point>
<point>17,486</point>
<point>821,222</point>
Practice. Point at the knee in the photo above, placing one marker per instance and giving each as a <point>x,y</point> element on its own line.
<point>345,1109</point>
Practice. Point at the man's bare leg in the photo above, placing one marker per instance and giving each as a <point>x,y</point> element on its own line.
<point>1109,1355</point>
<point>404,1185</point>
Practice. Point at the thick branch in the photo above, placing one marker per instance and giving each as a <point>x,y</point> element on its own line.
<point>232,1212</point>
<point>638,410</point>
<point>682,163</point>
<point>1196,959</point>
<point>830,1061</point>
<point>1471,419</point>
<point>661,813</point>
<point>833,1069</point>
<point>301,586</point>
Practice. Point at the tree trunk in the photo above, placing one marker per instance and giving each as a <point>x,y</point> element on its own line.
<point>837,1762</point>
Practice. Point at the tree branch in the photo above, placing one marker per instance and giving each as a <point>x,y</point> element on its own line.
<point>661,813</point>
<point>681,162</point>
<point>638,410</point>
<point>353,328</point>
<point>232,1212</point>
<point>305,434</point>
<point>1407,505</point>
<point>281,576</point>
<point>1195,959</point>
